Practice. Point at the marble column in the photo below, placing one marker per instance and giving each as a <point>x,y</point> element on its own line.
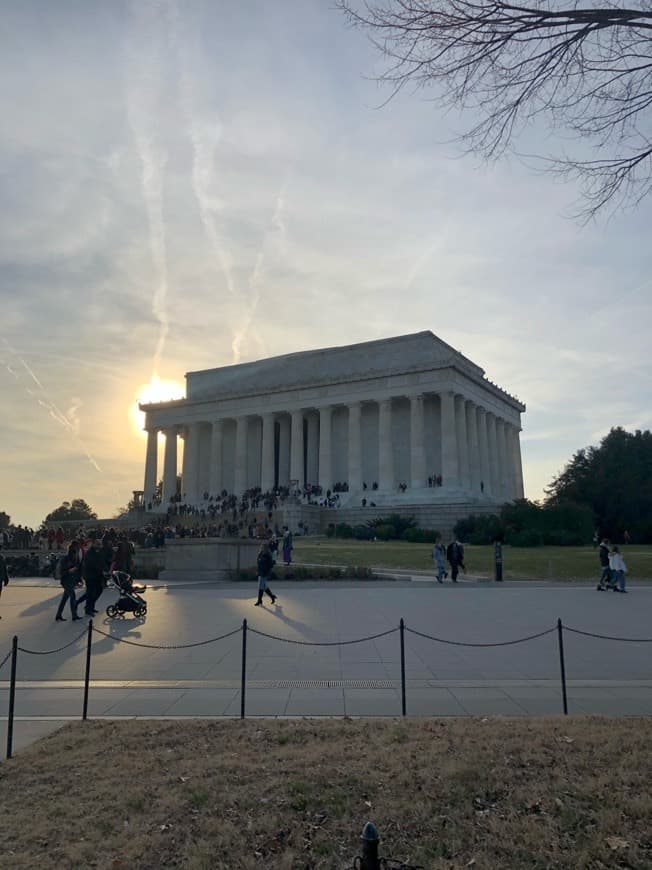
<point>355,448</point>
<point>241,435</point>
<point>325,447</point>
<point>191,464</point>
<point>449,455</point>
<point>284,450</point>
<point>216,484</point>
<point>462,444</point>
<point>296,449</point>
<point>385,446</point>
<point>518,465</point>
<point>508,465</point>
<point>493,456</point>
<point>151,460</point>
<point>474,447</point>
<point>267,454</point>
<point>483,438</point>
<point>500,456</point>
<point>417,444</point>
<point>169,466</point>
<point>312,450</point>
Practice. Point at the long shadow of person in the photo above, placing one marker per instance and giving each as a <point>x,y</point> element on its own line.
<point>40,606</point>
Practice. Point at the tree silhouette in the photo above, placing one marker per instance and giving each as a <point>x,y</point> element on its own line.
<point>584,70</point>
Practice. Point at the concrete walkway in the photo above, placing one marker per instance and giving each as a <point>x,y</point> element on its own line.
<point>361,679</point>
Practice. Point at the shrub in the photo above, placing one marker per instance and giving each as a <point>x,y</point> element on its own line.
<point>421,536</point>
<point>385,532</point>
<point>363,533</point>
<point>398,523</point>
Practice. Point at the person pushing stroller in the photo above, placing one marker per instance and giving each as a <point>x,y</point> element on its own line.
<point>265,563</point>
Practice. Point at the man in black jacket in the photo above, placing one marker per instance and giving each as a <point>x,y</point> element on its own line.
<point>605,571</point>
<point>455,555</point>
<point>93,568</point>
<point>265,563</point>
<point>4,573</point>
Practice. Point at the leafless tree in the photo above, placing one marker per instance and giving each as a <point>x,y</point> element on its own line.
<point>584,70</point>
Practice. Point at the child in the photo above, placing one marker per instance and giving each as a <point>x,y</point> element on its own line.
<point>618,570</point>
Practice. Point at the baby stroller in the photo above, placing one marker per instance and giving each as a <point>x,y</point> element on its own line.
<point>129,601</point>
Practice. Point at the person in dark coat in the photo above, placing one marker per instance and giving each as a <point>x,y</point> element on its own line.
<point>4,573</point>
<point>93,568</point>
<point>265,563</point>
<point>69,578</point>
<point>605,570</point>
<point>455,556</point>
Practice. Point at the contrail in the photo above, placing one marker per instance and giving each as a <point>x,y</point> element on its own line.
<point>274,242</point>
<point>143,84</point>
<point>205,136</point>
<point>69,422</point>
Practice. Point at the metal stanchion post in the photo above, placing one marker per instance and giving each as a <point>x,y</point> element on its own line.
<point>87,676</point>
<point>12,696</point>
<point>244,668</point>
<point>498,561</point>
<point>402,631</point>
<point>560,634</point>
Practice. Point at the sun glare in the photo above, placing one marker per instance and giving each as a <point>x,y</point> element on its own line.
<point>156,391</point>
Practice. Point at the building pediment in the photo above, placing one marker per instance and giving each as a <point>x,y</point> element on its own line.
<point>421,351</point>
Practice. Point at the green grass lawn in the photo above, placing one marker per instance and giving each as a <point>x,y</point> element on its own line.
<point>536,563</point>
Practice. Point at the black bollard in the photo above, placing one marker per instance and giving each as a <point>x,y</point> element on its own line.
<point>498,561</point>
<point>370,847</point>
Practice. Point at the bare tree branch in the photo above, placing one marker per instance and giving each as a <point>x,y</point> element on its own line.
<point>586,70</point>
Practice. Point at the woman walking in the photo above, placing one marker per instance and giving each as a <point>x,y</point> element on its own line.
<point>264,565</point>
<point>69,575</point>
<point>439,558</point>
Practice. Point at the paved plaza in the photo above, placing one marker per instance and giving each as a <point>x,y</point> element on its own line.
<point>362,679</point>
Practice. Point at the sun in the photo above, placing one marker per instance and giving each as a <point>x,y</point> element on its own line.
<point>156,390</point>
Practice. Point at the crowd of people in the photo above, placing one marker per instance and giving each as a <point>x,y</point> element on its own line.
<point>89,562</point>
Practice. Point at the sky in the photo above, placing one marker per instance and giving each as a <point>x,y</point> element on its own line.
<point>193,183</point>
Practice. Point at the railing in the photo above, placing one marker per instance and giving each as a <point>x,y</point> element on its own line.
<point>402,628</point>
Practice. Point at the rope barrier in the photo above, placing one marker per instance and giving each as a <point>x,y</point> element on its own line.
<point>323,643</point>
<point>608,636</point>
<point>47,652</point>
<point>168,646</point>
<point>464,643</point>
<point>5,660</point>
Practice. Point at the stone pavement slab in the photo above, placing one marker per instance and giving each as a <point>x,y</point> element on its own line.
<point>443,678</point>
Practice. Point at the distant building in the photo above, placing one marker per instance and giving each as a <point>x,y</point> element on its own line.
<point>409,414</point>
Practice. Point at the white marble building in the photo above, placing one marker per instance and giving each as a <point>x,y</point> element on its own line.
<point>392,411</point>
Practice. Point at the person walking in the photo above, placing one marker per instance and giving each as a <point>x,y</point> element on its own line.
<point>287,545</point>
<point>439,558</point>
<point>455,555</point>
<point>605,571</point>
<point>69,573</point>
<point>264,566</point>
<point>4,573</point>
<point>93,568</point>
<point>618,570</point>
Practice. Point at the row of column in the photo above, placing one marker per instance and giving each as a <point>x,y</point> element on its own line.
<point>480,453</point>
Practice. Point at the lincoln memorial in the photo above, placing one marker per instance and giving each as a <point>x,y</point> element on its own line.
<point>405,420</point>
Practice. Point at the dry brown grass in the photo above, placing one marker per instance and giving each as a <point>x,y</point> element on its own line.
<point>497,793</point>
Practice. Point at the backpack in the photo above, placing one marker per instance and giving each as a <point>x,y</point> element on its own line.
<point>58,568</point>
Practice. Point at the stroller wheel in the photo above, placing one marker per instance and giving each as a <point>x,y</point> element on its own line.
<point>111,610</point>
<point>140,611</point>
